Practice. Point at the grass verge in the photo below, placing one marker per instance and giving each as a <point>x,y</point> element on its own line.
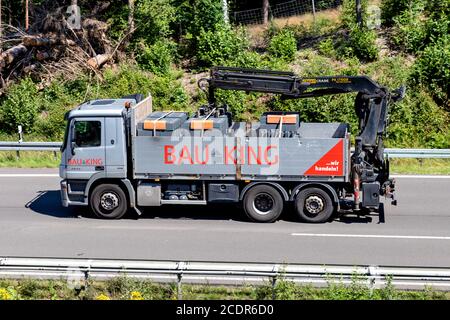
<point>420,166</point>
<point>122,288</point>
<point>29,159</point>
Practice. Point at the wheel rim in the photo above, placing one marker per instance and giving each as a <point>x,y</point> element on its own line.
<point>314,205</point>
<point>263,203</point>
<point>109,201</point>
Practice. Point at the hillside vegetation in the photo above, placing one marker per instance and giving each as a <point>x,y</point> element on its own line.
<point>175,42</point>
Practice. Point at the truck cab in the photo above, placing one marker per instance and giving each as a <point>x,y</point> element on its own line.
<point>94,151</point>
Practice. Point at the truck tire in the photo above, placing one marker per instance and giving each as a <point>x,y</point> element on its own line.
<point>263,203</point>
<point>108,201</point>
<point>314,205</point>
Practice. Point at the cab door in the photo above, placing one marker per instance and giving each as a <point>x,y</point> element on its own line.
<point>85,152</point>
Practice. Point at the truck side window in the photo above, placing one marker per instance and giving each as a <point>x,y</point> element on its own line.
<point>87,133</point>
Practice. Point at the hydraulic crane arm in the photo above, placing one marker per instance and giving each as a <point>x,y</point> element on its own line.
<point>370,105</point>
<point>288,84</point>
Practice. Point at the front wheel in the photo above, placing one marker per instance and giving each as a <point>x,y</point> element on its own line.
<point>314,205</point>
<point>108,201</point>
<point>263,203</point>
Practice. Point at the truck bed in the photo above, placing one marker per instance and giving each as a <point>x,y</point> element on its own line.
<point>317,151</point>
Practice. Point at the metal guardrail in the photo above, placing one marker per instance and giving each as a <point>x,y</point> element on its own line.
<point>417,153</point>
<point>29,146</point>
<point>390,152</point>
<point>80,270</point>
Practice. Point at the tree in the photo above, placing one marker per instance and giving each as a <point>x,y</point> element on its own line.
<point>26,15</point>
<point>265,10</point>
<point>130,16</point>
<point>1,34</point>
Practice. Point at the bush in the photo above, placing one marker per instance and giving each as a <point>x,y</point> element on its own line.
<point>158,57</point>
<point>126,80</point>
<point>20,107</point>
<point>197,15</point>
<point>326,47</point>
<point>410,29</point>
<point>359,43</point>
<point>418,121</point>
<point>348,15</point>
<point>390,9</point>
<point>221,45</point>
<point>166,90</point>
<point>168,93</point>
<point>56,101</point>
<point>154,19</point>
<point>432,69</point>
<point>283,45</point>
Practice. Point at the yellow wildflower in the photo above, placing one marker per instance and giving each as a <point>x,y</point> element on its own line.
<point>102,297</point>
<point>4,294</point>
<point>136,295</point>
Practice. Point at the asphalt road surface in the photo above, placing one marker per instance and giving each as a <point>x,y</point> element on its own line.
<point>415,233</point>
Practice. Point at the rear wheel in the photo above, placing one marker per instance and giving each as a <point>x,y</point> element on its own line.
<point>314,205</point>
<point>108,201</point>
<point>263,203</point>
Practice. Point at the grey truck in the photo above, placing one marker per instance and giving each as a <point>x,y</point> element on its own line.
<point>119,155</point>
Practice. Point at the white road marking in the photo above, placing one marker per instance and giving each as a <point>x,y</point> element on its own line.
<point>27,175</point>
<point>410,176</point>
<point>383,236</point>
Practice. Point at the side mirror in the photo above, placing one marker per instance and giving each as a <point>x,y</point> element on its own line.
<point>72,147</point>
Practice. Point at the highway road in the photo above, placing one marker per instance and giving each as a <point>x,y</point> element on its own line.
<point>415,233</point>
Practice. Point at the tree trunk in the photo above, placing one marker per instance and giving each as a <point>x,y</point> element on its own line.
<point>99,60</point>
<point>130,15</point>
<point>358,13</point>
<point>8,56</point>
<point>265,10</point>
<point>27,22</point>
<point>33,41</point>
<point>1,33</point>
<point>226,18</point>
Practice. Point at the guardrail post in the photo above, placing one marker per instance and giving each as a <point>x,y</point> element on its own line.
<point>19,130</point>
<point>180,267</point>
<point>373,273</point>
<point>274,284</point>
<point>179,287</point>
<point>275,270</point>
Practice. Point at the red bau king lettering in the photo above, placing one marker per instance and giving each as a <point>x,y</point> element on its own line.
<point>85,162</point>
<point>246,155</point>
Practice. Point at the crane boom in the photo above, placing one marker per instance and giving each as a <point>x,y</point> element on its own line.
<point>288,84</point>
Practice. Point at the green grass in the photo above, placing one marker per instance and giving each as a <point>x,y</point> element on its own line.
<point>29,159</point>
<point>123,288</point>
<point>420,166</point>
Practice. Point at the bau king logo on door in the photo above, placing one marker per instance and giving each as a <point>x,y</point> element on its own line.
<point>85,162</point>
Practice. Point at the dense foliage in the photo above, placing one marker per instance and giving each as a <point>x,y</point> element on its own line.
<point>175,40</point>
